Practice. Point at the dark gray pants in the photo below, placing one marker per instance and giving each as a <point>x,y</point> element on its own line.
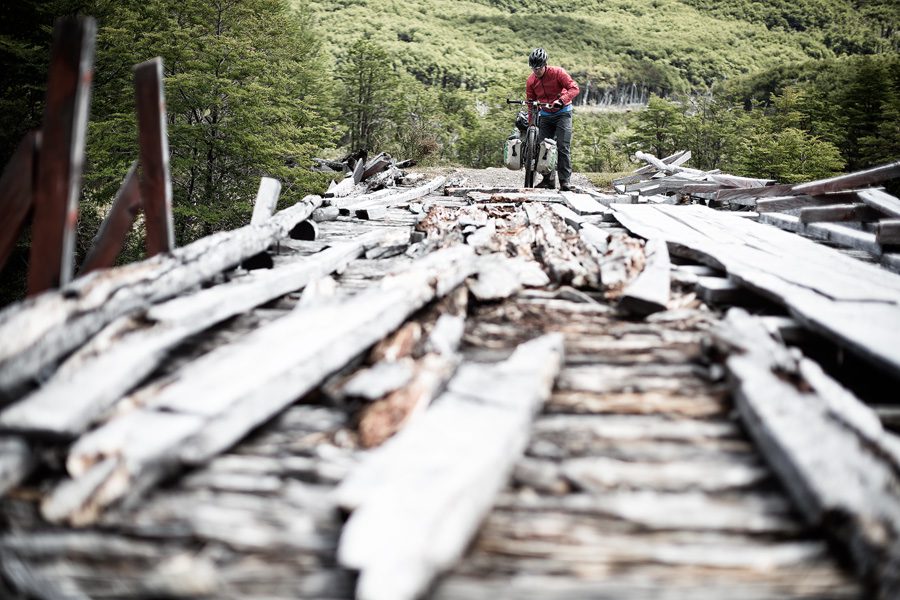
<point>559,127</point>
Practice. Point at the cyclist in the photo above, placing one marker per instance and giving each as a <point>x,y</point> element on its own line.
<point>552,85</point>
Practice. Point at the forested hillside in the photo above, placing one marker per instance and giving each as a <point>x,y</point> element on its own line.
<point>663,46</point>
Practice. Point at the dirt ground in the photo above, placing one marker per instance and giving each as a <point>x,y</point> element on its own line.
<point>490,177</point>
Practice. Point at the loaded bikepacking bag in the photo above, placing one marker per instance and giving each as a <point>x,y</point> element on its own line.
<point>512,153</point>
<point>546,162</point>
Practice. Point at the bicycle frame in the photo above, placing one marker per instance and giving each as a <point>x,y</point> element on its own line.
<point>530,145</point>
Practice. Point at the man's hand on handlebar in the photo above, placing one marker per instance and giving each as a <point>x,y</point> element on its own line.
<point>556,104</point>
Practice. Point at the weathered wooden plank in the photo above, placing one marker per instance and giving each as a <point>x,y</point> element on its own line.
<point>111,236</point>
<point>740,182</point>
<point>57,185</point>
<point>126,351</point>
<point>499,276</point>
<point>572,219</point>
<point>415,503</point>
<point>888,231</point>
<point>824,289</point>
<point>881,201</point>
<point>215,401</point>
<point>851,180</point>
<point>720,290</point>
<point>838,212</point>
<point>371,213</point>
<point>266,200</point>
<point>852,494</point>
<point>783,203</point>
<point>40,331</point>
<point>649,291</point>
<point>156,182</point>
<point>583,204</point>
<point>658,164</point>
<point>16,188</point>
<point>748,195</point>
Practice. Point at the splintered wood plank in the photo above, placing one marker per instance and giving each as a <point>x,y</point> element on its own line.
<point>129,349</point>
<point>855,304</point>
<point>583,204</point>
<point>37,333</point>
<point>838,464</point>
<point>111,237</point>
<point>57,185</point>
<point>16,187</point>
<point>572,219</point>
<point>852,180</point>
<point>213,402</point>
<point>749,195</point>
<point>649,291</point>
<point>881,201</point>
<point>156,182</point>
<point>266,200</point>
<point>838,212</point>
<point>417,502</point>
<point>888,231</point>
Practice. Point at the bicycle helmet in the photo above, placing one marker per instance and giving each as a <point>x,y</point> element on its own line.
<point>537,58</point>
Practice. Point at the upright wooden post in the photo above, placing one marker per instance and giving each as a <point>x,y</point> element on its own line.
<point>16,187</point>
<point>156,183</point>
<point>61,158</point>
<point>111,237</point>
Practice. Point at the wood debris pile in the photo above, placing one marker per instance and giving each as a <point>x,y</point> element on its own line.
<point>495,360</point>
<point>361,175</point>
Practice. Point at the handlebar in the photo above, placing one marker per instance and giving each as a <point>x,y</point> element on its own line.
<point>536,103</point>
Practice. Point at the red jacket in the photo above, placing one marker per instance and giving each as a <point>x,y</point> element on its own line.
<point>555,84</point>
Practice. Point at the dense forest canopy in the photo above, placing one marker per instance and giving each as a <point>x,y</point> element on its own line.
<point>785,89</point>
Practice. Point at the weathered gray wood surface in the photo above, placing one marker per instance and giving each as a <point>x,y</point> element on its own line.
<point>38,332</point>
<point>853,492</point>
<point>266,200</point>
<point>129,349</point>
<point>649,291</point>
<point>855,304</point>
<point>417,502</point>
<point>213,402</point>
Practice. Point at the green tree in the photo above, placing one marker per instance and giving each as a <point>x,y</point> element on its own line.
<point>367,85</point>
<point>789,156</point>
<point>243,100</point>
<point>657,128</point>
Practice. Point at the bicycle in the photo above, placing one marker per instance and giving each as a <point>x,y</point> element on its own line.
<point>530,145</point>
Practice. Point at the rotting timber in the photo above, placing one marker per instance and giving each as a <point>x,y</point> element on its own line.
<point>610,462</point>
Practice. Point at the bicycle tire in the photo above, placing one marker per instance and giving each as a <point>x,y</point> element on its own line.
<point>529,156</point>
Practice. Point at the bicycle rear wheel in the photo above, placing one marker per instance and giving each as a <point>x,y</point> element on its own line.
<point>529,156</point>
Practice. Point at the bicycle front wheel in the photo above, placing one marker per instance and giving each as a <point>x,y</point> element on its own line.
<point>529,156</point>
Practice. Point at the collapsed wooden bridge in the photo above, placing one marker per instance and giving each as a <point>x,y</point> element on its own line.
<point>453,392</point>
<point>565,415</point>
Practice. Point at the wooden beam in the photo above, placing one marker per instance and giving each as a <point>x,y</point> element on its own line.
<point>828,449</point>
<point>741,182</point>
<point>111,236</point>
<point>888,232</point>
<point>181,425</point>
<point>852,180</point>
<point>655,162</point>
<point>408,525</point>
<point>57,185</point>
<point>16,188</point>
<point>838,212</point>
<point>783,203</point>
<point>583,204</point>
<point>649,291</point>
<point>128,350</point>
<point>741,195</point>
<point>156,182</point>
<point>881,201</point>
<point>266,200</point>
<point>37,333</point>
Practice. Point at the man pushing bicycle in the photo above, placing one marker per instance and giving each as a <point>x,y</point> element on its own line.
<point>553,86</point>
